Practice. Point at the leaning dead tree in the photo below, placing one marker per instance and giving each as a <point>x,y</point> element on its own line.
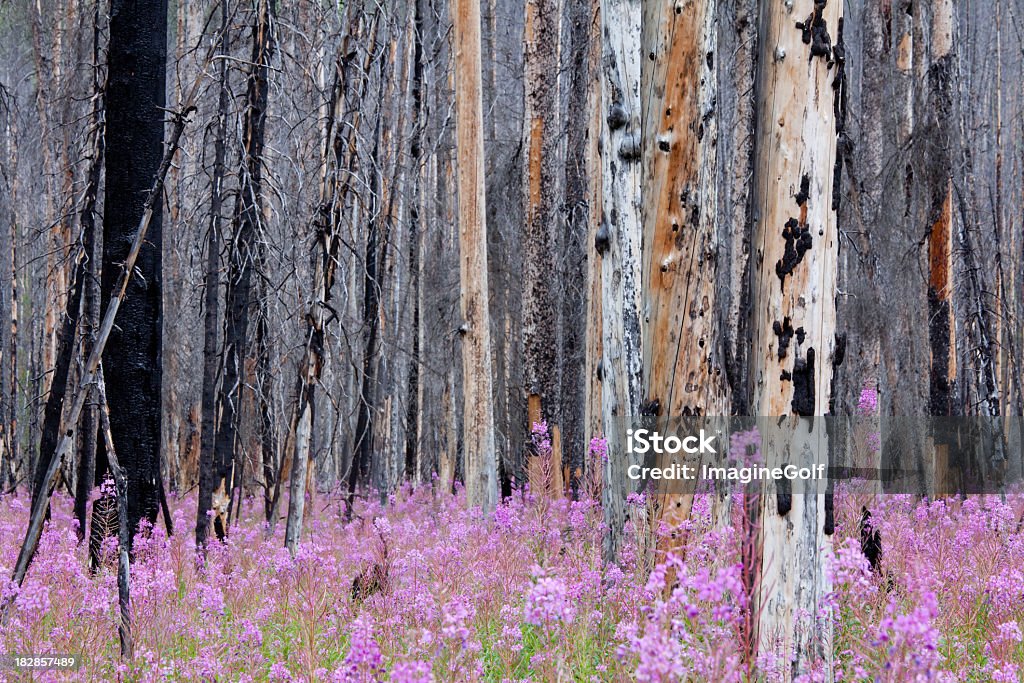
<point>794,307</point>
<point>89,373</point>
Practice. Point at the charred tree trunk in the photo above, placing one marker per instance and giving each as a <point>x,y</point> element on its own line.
<point>543,247</point>
<point>208,479</point>
<point>481,475</point>
<point>579,63</point>
<point>243,258</point>
<point>88,444</point>
<point>132,358</point>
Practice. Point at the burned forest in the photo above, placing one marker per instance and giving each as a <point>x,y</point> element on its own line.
<point>327,329</point>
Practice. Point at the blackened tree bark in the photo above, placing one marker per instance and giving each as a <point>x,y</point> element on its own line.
<point>543,287</point>
<point>132,357</point>
<point>91,293</point>
<point>577,60</point>
<point>243,257</point>
<point>211,301</point>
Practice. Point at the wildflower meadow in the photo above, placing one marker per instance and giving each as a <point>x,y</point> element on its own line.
<point>423,588</point>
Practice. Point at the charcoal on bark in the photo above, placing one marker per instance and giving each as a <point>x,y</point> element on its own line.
<point>136,94</point>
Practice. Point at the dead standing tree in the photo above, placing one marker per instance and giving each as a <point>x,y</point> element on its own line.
<point>478,444</point>
<point>211,295</point>
<point>682,340</point>
<point>617,243</point>
<point>793,308</point>
<point>86,475</point>
<point>135,98</point>
<point>89,372</point>
<point>243,259</point>
<point>351,77</point>
<point>543,290</point>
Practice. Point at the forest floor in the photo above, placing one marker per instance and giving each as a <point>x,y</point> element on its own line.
<point>423,589</point>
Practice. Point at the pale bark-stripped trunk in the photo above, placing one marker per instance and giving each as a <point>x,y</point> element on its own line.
<point>312,362</point>
<point>793,302</point>
<point>618,243</point>
<point>682,347</point>
<point>481,475</point>
<point>593,425</point>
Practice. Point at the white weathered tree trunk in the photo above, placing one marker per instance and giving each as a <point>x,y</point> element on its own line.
<point>618,244</point>
<point>794,307</point>
<point>478,427</point>
<point>592,410</point>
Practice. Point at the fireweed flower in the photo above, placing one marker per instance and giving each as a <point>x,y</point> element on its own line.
<point>412,672</point>
<point>465,598</point>
<point>547,602</point>
<point>364,661</point>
